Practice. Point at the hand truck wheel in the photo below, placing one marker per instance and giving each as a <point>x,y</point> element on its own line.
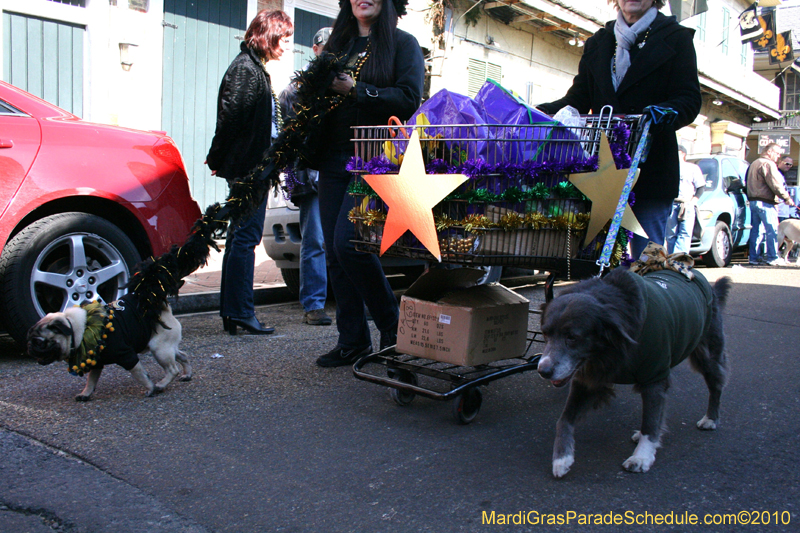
<point>401,397</point>
<point>467,405</point>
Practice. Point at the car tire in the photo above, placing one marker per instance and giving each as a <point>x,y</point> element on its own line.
<point>60,261</point>
<point>291,277</point>
<point>721,247</point>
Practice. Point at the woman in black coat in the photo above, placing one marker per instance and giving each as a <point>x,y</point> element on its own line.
<point>383,78</point>
<point>247,121</point>
<point>660,69</point>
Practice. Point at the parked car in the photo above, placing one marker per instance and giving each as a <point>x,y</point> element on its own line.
<point>282,238</point>
<point>82,203</point>
<point>723,211</point>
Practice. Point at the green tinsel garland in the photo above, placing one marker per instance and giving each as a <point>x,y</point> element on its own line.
<point>513,194</point>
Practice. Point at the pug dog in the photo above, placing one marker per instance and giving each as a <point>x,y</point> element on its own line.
<point>94,335</point>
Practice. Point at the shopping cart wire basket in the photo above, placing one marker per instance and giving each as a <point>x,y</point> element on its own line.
<point>518,207</point>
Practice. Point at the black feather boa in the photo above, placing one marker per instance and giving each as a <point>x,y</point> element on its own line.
<point>157,278</point>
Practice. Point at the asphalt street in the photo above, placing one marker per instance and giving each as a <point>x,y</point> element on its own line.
<point>263,440</point>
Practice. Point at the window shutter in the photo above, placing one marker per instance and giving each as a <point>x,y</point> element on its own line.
<point>477,75</point>
<point>494,72</point>
<point>479,72</point>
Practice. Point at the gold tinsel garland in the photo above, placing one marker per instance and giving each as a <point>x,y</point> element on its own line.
<point>476,223</point>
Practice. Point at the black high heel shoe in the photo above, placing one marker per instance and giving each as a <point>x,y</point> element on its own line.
<point>226,324</point>
<point>251,325</point>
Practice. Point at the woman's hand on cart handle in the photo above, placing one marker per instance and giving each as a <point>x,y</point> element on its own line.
<point>660,117</point>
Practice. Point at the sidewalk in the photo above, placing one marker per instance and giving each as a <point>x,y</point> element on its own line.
<point>200,291</point>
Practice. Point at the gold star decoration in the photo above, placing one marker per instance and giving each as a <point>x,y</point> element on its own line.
<point>411,195</point>
<point>603,188</point>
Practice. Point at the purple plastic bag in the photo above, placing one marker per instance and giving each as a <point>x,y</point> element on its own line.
<point>514,145</point>
<point>445,108</point>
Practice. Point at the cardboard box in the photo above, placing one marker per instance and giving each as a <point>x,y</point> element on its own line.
<point>444,316</point>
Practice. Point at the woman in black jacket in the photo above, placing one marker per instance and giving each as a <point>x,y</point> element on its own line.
<point>642,59</point>
<point>383,78</point>
<point>247,121</point>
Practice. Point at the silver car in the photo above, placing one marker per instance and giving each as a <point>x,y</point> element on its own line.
<point>282,238</point>
<point>723,211</point>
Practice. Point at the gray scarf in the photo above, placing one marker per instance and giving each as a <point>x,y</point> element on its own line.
<point>626,36</point>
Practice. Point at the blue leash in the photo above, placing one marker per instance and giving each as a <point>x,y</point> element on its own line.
<point>657,115</point>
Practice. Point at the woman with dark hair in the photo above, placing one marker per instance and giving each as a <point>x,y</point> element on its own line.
<point>642,59</point>
<point>383,78</point>
<point>248,118</point>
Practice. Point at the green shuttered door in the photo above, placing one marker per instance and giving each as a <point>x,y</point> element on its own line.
<point>306,25</point>
<point>200,41</point>
<point>45,58</point>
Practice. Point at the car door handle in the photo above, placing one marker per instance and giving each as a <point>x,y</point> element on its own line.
<point>6,143</point>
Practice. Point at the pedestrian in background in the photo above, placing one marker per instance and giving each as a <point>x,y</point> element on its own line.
<point>248,118</point>
<point>785,164</point>
<point>383,78</point>
<point>764,189</point>
<point>642,59</point>
<point>313,265</point>
<point>680,223</point>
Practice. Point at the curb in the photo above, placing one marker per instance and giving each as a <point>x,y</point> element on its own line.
<point>200,302</point>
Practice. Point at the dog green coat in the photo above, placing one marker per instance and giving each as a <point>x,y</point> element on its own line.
<point>678,316</point>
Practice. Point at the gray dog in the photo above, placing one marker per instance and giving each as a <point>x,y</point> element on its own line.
<point>631,329</point>
<point>94,335</point>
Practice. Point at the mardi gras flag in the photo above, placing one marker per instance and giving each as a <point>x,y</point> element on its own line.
<point>782,51</point>
<point>749,27</point>
<point>767,39</point>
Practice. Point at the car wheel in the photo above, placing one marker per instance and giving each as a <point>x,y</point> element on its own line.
<point>291,277</point>
<point>60,261</point>
<point>721,247</point>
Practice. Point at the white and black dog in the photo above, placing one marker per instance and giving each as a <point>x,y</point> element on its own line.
<point>789,233</point>
<point>124,334</point>
<point>626,328</point>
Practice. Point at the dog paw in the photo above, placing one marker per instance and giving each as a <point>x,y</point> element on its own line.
<point>707,424</point>
<point>635,463</point>
<point>82,398</point>
<point>561,465</point>
<point>636,436</point>
<point>185,378</point>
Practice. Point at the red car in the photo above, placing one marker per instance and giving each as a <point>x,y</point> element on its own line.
<point>80,205</point>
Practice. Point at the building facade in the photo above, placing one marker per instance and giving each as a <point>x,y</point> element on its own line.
<point>786,77</point>
<point>157,64</point>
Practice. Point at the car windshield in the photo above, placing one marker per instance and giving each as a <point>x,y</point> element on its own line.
<point>710,168</point>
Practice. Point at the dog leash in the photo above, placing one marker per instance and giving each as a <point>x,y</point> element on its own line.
<point>657,115</point>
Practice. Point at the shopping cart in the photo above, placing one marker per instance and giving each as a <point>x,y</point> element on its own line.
<point>514,170</point>
<point>541,225</point>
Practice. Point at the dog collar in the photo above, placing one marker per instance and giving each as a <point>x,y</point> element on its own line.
<point>83,357</point>
<point>655,257</point>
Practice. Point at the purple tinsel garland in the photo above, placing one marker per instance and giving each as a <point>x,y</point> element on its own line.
<point>478,168</point>
<point>475,168</point>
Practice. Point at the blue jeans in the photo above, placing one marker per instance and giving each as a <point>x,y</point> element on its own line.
<point>679,232</point>
<point>652,215</point>
<point>763,214</point>
<point>357,278</point>
<point>313,270</point>
<point>238,265</point>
